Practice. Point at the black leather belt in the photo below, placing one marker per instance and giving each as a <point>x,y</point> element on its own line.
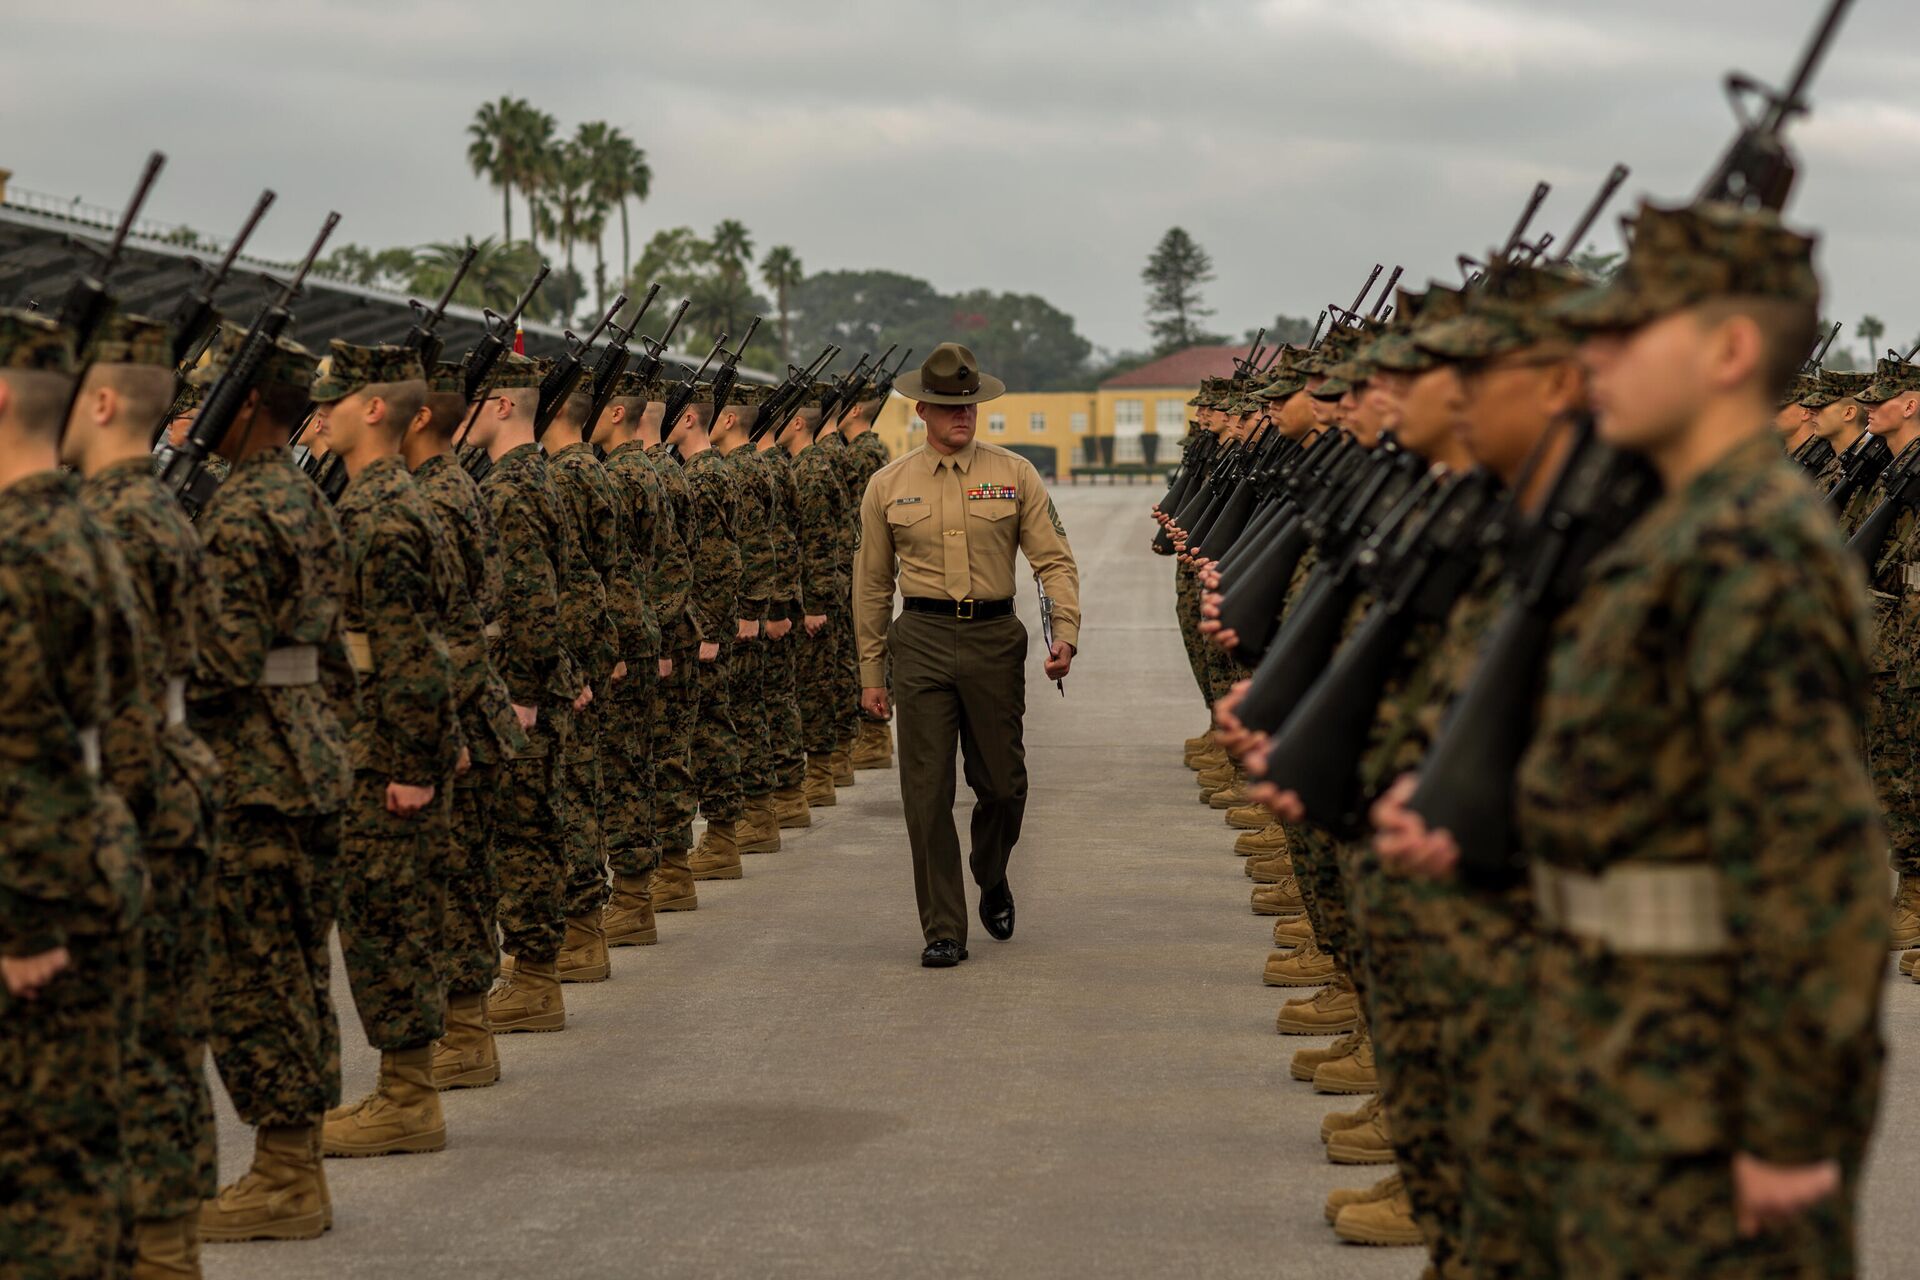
<point>964,610</point>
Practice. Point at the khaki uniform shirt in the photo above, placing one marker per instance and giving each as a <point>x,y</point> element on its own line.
<point>948,525</point>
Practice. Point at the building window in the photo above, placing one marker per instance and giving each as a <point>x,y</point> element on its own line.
<point>1080,423</point>
<point>1170,417</point>
<point>1036,422</point>
<point>996,424</point>
<point>1129,415</point>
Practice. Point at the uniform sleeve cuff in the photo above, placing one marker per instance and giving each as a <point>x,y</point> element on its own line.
<point>1070,634</point>
<point>873,675</point>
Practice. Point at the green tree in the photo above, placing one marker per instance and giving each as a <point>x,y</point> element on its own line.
<point>1023,339</point>
<point>570,211</point>
<point>866,311</point>
<point>507,144</point>
<point>620,173</point>
<point>731,248</point>
<point>1174,274</point>
<point>781,272</point>
<point>496,278</point>
<point>389,269</point>
<point>1293,330</point>
<point>1870,328</point>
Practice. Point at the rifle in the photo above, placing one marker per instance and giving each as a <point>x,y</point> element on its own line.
<point>566,373</point>
<point>195,319</point>
<point>611,364</point>
<point>1902,486</point>
<point>1252,358</point>
<point>682,395</point>
<point>1756,170</point>
<point>1860,466</point>
<point>1318,325</point>
<point>421,336</point>
<point>652,349</point>
<point>1819,356</point>
<point>228,395</point>
<point>856,387</point>
<point>86,304</point>
<point>1317,754</point>
<point>883,388</point>
<point>492,345</point>
<point>730,370</point>
<point>1615,179</point>
<point>1814,455</point>
<point>1385,293</point>
<point>836,399</point>
<point>776,410</point>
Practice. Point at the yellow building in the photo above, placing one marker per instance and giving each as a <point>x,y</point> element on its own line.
<point>1131,423</point>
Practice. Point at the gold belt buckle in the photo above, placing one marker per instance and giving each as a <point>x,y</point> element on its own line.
<point>964,610</point>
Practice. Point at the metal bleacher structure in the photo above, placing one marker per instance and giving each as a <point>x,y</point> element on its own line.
<point>45,241</point>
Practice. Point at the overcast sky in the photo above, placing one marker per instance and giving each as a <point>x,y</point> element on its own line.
<point>1040,146</point>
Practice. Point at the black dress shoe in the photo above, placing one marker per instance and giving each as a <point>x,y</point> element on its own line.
<point>996,910</point>
<point>943,954</point>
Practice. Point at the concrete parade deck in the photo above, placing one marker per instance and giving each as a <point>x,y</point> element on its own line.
<point>779,1090</point>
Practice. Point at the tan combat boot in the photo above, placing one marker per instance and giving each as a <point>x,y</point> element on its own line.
<point>1264,843</point>
<point>401,1116</point>
<point>282,1197</point>
<point>628,919</point>
<point>1908,961</point>
<point>1212,758</point>
<point>527,998</point>
<point>790,809</point>
<point>167,1248</point>
<point>1307,1061</point>
<point>1334,1010</point>
<point>1351,1074</point>
<point>1387,1221</point>
<point>819,787</point>
<point>1304,966</point>
<point>758,831</point>
<point>465,1057</point>
<point>717,857</point>
<point>1335,1121</point>
<point>672,885</point>
<point>1214,777</point>
<point>1906,914</point>
<point>1384,1189</point>
<point>1271,869</point>
<point>1279,899</point>
<point>1232,796</point>
<point>1249,817</point>
<point>1292,933</point>
<point>1368,1142</point>
<point>583,956</point>
<point>873,749</point>
<point>1197,746</point>
<point>843,768</point>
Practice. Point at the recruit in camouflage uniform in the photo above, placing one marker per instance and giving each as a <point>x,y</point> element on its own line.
<point>820,498</point>
<point>71,878</point>
<point>404,746</point>
<point>270,689</point>
<point>835,456</point>
<point>530,836</point>
<point>465,1056</point>
<point>169,1123</point>
<point>788,763</point>
<point>748,677</point>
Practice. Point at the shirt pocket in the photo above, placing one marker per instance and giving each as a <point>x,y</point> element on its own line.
<point>991,508</point>
<point>902,514</point>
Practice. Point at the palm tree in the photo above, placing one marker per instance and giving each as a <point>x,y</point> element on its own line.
<point>498,274</point>
<point>731,248</point>
<point>534,162</point>
<point>619,170</point>
<point>782,272</point>
<point>488,133</point>
<point>571,212</point>
<point>1871,328</point>
<point>508,144</point>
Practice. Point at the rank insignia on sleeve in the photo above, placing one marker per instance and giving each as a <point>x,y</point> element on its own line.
<point>988,492</point>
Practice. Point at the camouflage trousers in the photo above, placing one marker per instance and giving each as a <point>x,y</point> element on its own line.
<point>1895,762</point>
<point>847,713</point>
<point>675,714</point>
<point>820,687</point>
<point>627,771</point>
<point>169,1119</point>
<point>748,693</point>
<point>1478,974</point>
<point>530,841</point>
<point>275,1037</point>
<point>787,753</point>
<point>469,953</point>
<point>714,757</point>
<point>581,807</point>
<point>1316,865</point>
<point>1612,1219</point>
<point>392,907</point>
<point>1396,921</point>
<point>1186,607</point>
<point>64,1207</point>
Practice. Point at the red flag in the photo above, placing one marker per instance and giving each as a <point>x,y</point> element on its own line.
<point>519,339</point>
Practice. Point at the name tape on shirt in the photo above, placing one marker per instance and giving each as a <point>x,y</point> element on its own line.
<point>989,492</point>
<point>906,502</point>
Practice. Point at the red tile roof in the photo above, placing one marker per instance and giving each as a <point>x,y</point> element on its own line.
<point>1182,369</point>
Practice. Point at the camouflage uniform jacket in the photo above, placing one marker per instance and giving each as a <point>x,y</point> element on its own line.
<point>716,556</point>
<point>1861,505</point>
<point>167,573</point>
<point>825,567</point>
<point>69,853</point>
<point>671,569</point>
<point>409,726</point>
<point>596,554</point>
<point>1829,475</point>
<point>783,523</point>
<point>470,556</point>
<point>278,574</point>
<point>753,531</point>
<point>643,502</point>
<point>1703,705</point>
<point>840,456</point>
<point>871,453</point>
<point>531,654</point>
